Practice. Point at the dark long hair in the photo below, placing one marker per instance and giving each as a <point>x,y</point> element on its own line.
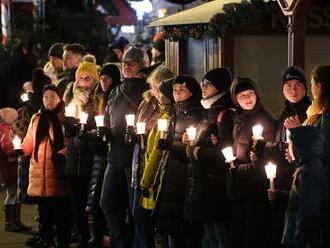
<point>321,74</point>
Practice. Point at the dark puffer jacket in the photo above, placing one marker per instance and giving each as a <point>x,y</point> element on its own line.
<point>206,198</point>
<point>169,207</point>
<point>304,211</point>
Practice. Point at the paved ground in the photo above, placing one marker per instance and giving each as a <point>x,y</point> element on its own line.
<point>16,240</point>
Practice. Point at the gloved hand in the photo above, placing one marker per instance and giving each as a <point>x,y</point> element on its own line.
<point>164,144</point>
<point>130,135</point>
<point>259,147</point>
<point>145,192</point>
<point>18,152</point>
<point>70,125</point>
<point>190,152</point>
<point>244,169</point>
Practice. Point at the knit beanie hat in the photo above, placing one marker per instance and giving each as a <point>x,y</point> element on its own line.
<point>112,71</point>
<point>159,45</point>
<point>242,84</point>
<point>51,87</point>
<point>134,54</point>
<point>189,82</point>
<point>294,72</point>
<point>166,88</point>
<point>220,78</point>
<point>8,115</point>
<point>89,68</point>
<point>56,50</point>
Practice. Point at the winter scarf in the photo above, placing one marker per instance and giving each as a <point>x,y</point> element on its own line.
<point>313,112</point>
<point>46,118</point>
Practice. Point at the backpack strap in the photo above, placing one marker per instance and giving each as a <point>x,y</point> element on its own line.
<point>221,114</point>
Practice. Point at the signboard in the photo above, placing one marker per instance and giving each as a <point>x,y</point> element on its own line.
<point>288,6</point>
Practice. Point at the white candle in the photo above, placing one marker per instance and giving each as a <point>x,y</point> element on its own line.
<point>287,135</point>
<point>83,117</point>
<point>24,97</point>
<point>191,132</point>
<point>271,173</point>
<point>257,132</point>
<point>17,142</point>
<point>99,119</point>
<point>130,118</point>
<point>140,128</point>
<point>69,110</point>
<point>229,156</point>
<point>162,125</point>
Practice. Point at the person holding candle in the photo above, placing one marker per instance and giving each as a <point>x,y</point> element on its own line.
<point>79,161</point>
<point>45,143</point>
<point>294,89</point>
<point>247,182</point>
<point>171,192</point>
<point>117,194</point>
<point>305,210</point>
<point>206,201</point>
<point>109,79</point>
<point>147,113</point>
<point>8,169</point>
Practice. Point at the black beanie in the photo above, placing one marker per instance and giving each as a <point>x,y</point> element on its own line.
<point>242,84</point>
<point>56,50</point>
<point>51,87</point>
<point>111,70</point>
<point>294,72</point>
<point>220,78</point>
<point>159,45</point>
<point>166,88</point>
<point>190,83</point>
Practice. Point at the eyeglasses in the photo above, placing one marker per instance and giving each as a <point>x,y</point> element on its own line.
<point>205,83</point>
<point>85,79</point>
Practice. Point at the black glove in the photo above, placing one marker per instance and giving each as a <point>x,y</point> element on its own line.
<point>164,144</point>
<point>18,152</point>
<point>130,136</point>
<point>70,125</point>
<point>259,148</point>
<point>103,133</point>
<point>145,192</point>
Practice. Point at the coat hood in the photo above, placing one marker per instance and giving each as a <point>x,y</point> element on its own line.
<point>307,142</point>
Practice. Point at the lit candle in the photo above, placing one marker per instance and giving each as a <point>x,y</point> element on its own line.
<point>140,128</point>
<point>24,97</point>
<point>257,132</point>
<point>229,156</point>
<point>287,135</point>
<point>271,173</point>
<point>191,132</point>
<point>162,127</point>
<point>83,117</point>
<point>130,118</point>
<point>17,142</point>
<point>69,110</point>
<point>99,119</point>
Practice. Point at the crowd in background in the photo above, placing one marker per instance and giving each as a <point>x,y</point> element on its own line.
<point>160,187</point>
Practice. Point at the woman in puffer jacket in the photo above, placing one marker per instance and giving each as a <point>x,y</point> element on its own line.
<point>45,143</point>
<point>247,182</point>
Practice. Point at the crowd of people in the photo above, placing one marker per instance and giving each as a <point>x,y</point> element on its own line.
<point>141,178</point>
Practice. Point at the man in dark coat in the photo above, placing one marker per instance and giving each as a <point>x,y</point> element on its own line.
<point>117,194</point>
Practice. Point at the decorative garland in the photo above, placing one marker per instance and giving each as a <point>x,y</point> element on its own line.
<point>184,32</point>
<point>234,15</point>
<point>238,14</point>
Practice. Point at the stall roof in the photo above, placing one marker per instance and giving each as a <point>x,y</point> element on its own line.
<point>197,15</point>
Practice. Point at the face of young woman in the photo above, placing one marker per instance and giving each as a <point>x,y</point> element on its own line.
<point>181,92</point>
<point>106,82</point>
<point>154,90</point>
<point>294,91</point>
<point>208,89</point>
<point>85,80</point>
<point>50,99</point>
<point>316,89</point>
<point>247,99</point>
